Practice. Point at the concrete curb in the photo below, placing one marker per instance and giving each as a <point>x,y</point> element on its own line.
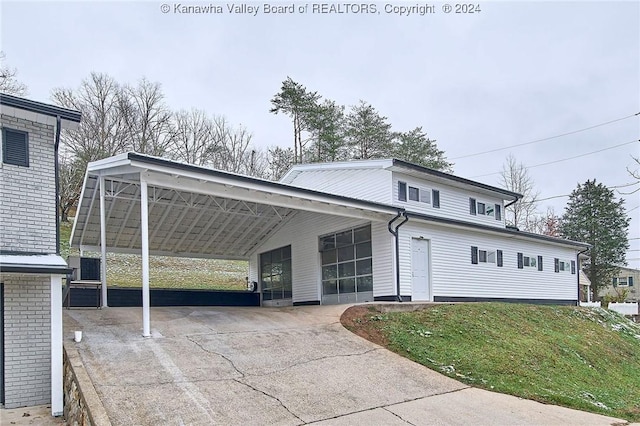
<point>97,413</point>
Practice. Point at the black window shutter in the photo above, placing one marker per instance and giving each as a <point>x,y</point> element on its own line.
<point>499,257</point>
<point>556,264</point>
<point>15,148</point>
<point>614,281</point>
<point>472,206</point>
<point>630,281</point>
<point>539,263</point>
<point>498,212</point>
<point>474,255</point>
<point>402,191</point>
<point>435,195</point>
<point>573,267</point>
<point>520,261</point>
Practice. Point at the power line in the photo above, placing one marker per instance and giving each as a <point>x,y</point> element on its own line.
<point>545,139</point>
<point>564,159</point>
<point>608,187</point>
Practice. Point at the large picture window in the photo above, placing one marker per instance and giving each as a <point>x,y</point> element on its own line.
<point>347,263</point>
<point>275,274</point>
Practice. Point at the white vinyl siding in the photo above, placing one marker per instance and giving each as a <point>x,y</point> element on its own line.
<point>365,184</point>
<point>453,274</point>
<point>454,202</point>
<point>302,233</point>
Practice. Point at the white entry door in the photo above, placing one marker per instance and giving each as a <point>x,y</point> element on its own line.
<point>421,286</point>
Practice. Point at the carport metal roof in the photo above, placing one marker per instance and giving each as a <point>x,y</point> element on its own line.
<point>195,211</point>
<point>133,203</point>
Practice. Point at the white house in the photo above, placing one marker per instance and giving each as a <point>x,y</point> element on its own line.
<point>327,233</point>
<point>31,269</point>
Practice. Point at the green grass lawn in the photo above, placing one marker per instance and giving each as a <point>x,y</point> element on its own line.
<point>125,270</point>
<point>588,359</point>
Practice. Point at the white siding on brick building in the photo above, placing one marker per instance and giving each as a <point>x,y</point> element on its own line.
<point>27,194</point>
<point>27,340</point>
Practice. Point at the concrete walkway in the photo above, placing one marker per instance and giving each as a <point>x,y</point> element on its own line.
<point>38,415</point>
<point>275,366</point>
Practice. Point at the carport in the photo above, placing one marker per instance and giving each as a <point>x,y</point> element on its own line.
<point>134,203</point>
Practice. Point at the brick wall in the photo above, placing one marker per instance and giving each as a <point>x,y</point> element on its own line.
<point>27,194</point>
<point>27,321</point>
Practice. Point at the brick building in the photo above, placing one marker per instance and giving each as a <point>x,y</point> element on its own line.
<point>31,269</point>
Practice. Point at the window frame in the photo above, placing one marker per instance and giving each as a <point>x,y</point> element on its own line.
<point>483,255</point>
<point>526,261</point>
<point>285,288</point>
<point>413,191</point>
<point>435,198</point>
<point>345,264</point>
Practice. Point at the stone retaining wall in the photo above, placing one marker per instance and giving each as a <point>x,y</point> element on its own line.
<point>82,406</point>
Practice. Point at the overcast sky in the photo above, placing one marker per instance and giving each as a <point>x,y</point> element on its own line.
<point>510,73</point>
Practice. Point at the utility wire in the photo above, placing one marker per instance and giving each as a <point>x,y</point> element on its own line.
<point>608,187</point>
<point>545,139</point>
<point>564,159</point>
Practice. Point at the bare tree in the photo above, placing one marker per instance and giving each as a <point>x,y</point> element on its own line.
<point>514,177</point>
<point>103,131</point>
<point>146,117</point>
<point>546,224</point>
<point>280,161</point>
<point>8,82</point>
<point>71,175</point>
<point>193,140</point>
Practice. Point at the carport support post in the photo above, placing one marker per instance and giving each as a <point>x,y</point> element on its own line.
<point>103,244</point>
<point>144,234</point>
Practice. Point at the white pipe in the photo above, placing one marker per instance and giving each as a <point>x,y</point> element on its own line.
<point>103,243</point>
<point>144,235</point>
<point>56,346</point>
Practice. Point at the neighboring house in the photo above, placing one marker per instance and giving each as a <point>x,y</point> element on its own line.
<point>327,233</point>
<point>31,270</point>
<point>585,287</point>
<point>627,280</point>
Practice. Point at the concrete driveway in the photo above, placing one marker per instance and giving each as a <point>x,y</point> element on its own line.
<point>275,366</point>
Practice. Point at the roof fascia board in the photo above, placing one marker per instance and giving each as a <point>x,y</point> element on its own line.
<point>40,108</point>
<point>356,164</point>
<point>452,223</point>
<point>106,163</point>
<point>239,191</point>
<point>34,270</point>
<point>400,165</point>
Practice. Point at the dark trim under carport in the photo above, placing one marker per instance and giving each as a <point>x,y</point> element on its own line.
<point>132,297</point>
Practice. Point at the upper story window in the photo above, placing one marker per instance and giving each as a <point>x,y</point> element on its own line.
<point>479,208</point>
<point>421,195</point>
<point>15,147</point>
<point>414,193</point>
